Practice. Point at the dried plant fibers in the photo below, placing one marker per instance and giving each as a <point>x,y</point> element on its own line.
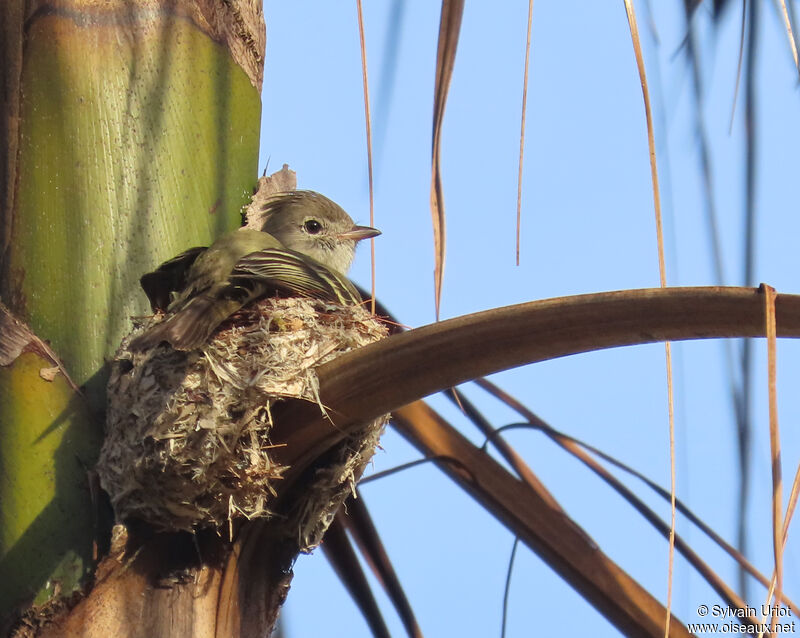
<point>188,441</point>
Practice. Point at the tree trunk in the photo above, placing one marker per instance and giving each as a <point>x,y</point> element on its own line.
<point>130,131</point>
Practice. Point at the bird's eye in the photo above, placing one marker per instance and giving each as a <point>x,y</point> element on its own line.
<point>312,226</point>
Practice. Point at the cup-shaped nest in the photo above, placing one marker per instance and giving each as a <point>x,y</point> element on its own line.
<point>188,433</point>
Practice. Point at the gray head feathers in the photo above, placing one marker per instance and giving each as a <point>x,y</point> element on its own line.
<point>314,225</point>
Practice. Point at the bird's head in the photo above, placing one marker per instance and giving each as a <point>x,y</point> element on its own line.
<point>314,225</point>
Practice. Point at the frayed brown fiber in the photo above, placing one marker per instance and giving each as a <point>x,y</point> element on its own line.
<point>188,433</point>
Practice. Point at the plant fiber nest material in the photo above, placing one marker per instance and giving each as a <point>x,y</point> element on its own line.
<point>188,433</point>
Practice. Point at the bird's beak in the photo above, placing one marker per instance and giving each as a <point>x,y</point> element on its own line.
<point>357,233</point>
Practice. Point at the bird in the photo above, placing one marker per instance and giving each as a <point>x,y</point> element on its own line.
<point>304,248</point>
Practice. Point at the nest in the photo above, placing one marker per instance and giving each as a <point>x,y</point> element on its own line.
<point>188,433</point>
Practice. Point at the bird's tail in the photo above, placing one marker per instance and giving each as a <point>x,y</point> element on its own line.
<point>190,327</point>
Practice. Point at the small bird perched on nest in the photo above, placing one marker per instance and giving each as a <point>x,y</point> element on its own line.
<point>304,249</point>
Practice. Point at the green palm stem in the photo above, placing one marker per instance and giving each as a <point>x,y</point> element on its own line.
<point>131,133</point>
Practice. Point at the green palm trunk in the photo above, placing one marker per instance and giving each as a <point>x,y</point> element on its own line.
<point>131,134</point>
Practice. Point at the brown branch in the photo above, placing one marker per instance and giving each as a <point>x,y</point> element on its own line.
<point>384,376</point>
<point>546,529</point>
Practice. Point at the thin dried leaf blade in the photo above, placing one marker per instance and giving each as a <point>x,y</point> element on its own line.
<point>449,29</point>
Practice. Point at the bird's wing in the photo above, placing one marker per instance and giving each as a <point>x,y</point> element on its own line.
<point>192,326</point>
<point>256,274</point>
<point>292,272</point>
<point>170,277</point>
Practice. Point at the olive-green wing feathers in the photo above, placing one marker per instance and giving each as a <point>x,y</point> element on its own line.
<point>257,274</point>
<point>170,277</point>
<point>287,271</point>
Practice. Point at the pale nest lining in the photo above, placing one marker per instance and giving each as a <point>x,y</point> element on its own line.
<point>188,433</point>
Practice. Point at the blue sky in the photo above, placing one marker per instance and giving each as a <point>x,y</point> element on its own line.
<point>588,226</point>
